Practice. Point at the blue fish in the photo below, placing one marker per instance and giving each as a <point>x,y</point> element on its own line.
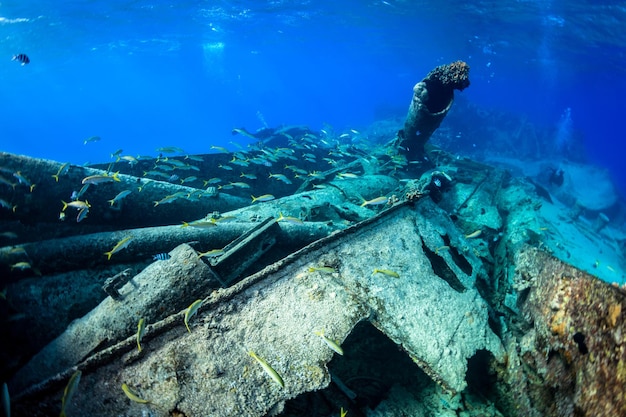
<point>161,257</point>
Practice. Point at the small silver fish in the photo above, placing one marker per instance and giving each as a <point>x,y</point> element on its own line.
<point>141,329</point>
<point>375,202</point>
<point>82,214</point>
<point>91,139</point>
<point>262,198</point>
<point>69,390</point>
<point>119,197</point>
<point>281,177</point>
<point>191,310</point>
<point>119,246</point>
<point>101,179</point>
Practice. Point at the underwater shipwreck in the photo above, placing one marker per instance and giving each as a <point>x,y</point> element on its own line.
<point>383,280</point>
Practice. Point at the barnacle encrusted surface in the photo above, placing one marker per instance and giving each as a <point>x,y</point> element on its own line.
<point>576,342</point>
<point>454,75</point>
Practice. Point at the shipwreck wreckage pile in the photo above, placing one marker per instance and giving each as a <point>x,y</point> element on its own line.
<point>441,300</point>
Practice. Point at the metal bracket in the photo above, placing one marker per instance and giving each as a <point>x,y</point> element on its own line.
<point>114,283</point>
<point>244,251</point>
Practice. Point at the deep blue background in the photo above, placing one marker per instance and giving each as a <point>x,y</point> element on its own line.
<point>145,74</point>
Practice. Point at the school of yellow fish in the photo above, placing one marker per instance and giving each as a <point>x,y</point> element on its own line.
<point>245,166</point>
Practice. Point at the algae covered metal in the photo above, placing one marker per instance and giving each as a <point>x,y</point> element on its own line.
<point>277,312</point>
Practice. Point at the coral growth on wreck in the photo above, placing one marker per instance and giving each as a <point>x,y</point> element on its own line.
<point>454,76</point>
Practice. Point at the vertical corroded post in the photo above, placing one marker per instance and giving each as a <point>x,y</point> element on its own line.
<point>432,99</point>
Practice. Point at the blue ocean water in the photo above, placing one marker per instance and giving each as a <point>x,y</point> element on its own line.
<point>144,74</point>
<point>547,84</point>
